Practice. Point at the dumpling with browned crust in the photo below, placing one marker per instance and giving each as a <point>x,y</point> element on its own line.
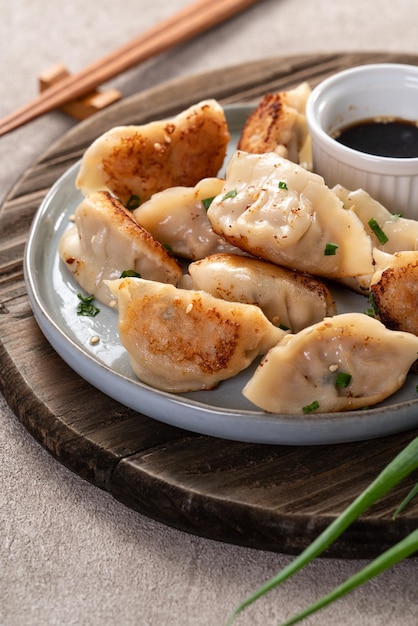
<point>105,241</point>
<point>134,162</point>
<point>184,340</point>
<point>288,298</point>
<point>278,124</point>
<point>346,362</point>
<point>394,287</point>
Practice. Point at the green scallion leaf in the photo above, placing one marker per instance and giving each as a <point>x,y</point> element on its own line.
<point>283,185</point>
<point>343,380</point>
<point>399,468</point>
<point>207,202</point>
<point>406,501</point>
<point>133,202</point>
<point>391,557</point>
<point>230,194</point>
<point>86,306</point>
<point>381,236</point>
<point>330,249</point>
<point>373,310</point>
<point>130,274</point>
<point>311,407</point>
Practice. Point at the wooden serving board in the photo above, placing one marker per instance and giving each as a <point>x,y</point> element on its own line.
<point>275,498</point>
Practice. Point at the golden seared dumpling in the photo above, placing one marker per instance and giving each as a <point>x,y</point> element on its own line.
<point>138,161</point>
<point>287,298</point>
<point>177,218</point>
<point>180,340</point>
<point>278,211</point>
<point>105,241</point>
<point>345,362</point>
<point>278,124</point>
<point>394,287</point>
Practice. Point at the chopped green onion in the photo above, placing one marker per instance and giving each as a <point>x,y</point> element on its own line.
<point>330,249</point>
<point>230,194</point>
<point>399,468</point>
<point>283,185</point>
<point>381,236</point>
<point>86,306</point>
<point>133,203</point>
<point>373,310</point>
<point>130,274</point>
<point>283,327</point>
<point>207,202</point>
<point>343,380</point>
<point>311,407</point>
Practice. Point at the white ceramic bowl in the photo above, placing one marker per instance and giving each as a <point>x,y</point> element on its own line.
<point>357,94</point>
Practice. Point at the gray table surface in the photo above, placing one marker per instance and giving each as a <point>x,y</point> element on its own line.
<point>70,554</point>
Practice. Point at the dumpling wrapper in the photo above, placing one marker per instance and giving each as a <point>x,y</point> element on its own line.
<point>394,287</point>
<point>142,160</point>
<point>402,233</point>
<point>278,211</point>
<point>302,369</point>
<point>286,297</point>
<point>180,340</point>
<point>177,218</point>
<point>105,241</point>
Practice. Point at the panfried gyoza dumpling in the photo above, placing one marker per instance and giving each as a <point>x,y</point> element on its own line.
<point>278,124</point>
<point>394,287</point>
<point>106,241</point>
<point>345,362</point>
<point>180,340</point>
<point>286,297</point>
<point>278,211</point>
<point>401,233</point>
<point>177,218</point>
<point>138,161</point>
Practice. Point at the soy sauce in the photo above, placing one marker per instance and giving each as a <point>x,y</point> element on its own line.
<point>388,138</point>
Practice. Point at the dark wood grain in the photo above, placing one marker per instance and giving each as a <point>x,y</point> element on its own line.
<point>269,497</point>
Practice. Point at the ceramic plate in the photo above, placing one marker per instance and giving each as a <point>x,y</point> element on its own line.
<point>223,412</point>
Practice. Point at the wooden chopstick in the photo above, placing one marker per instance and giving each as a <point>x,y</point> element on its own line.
<point>186,24</point>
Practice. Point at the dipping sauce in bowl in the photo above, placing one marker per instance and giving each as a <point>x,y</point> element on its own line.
<point>355,142</point>
<point>382,137</point>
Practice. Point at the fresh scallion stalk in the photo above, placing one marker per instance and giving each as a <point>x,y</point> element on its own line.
<point>406,501</point>
<point>401,466</point>
<point>388,559</point>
